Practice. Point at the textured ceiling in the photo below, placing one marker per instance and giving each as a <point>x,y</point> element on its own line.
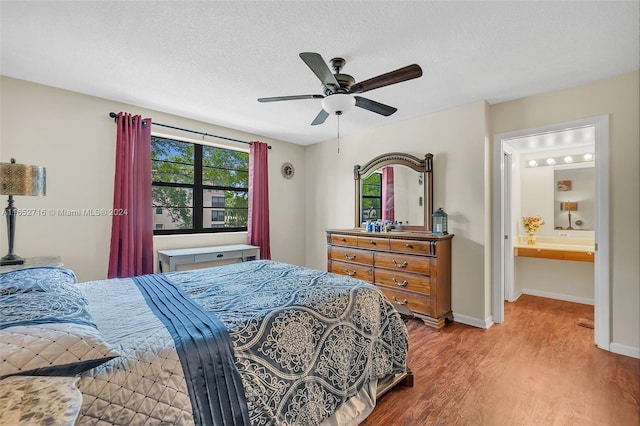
<point>210,61</point>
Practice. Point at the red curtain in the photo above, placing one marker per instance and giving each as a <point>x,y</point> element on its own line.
<point>131,227</point>
<point>259,199</point>
<point>388,208</point>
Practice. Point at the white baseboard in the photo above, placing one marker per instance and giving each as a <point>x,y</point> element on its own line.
<point>557,296</point>
<point>617,348</point>
<point>475,322</point>
<point>516,296</point>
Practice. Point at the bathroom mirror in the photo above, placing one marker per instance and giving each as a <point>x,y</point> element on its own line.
<point>396,187</point>
<point>574,200</point>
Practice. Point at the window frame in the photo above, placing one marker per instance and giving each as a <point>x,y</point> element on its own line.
<point>198,189</point>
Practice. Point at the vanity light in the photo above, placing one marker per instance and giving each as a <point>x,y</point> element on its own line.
<point>567,159</point>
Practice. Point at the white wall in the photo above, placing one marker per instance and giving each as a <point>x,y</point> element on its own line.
<point>557,279</point>
<point>73,137</point>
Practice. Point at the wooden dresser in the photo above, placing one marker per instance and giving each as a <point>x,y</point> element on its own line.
<point>413,269</point>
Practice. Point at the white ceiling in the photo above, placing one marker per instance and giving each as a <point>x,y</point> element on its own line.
<point>210,61</point>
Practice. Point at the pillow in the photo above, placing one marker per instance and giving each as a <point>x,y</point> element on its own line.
<point>48,279</point>
<point>54,349</point>
<point>46,332</point>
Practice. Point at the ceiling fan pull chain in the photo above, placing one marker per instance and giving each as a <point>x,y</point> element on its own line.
<point>338,115</point>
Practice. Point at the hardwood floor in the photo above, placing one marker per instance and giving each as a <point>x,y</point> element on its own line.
<point>538,368</point>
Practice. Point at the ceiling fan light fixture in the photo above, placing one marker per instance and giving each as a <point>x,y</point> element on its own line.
<point>338,103</point>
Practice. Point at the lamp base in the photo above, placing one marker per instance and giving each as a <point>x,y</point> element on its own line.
<point>11,259</point>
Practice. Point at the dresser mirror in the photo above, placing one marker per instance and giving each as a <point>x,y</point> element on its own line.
<point>397,187</point>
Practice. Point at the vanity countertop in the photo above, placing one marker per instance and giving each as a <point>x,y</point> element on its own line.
<point>585,245</point>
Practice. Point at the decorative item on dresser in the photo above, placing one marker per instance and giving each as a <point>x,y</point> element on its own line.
<point>412,268</point>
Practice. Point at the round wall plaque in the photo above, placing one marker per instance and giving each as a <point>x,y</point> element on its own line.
<point>287,170</point>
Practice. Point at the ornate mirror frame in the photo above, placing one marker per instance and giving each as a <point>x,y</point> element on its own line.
<point>398,158</point>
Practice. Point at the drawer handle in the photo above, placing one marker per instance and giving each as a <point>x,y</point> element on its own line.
<point>401,265</point>
<point>349,257</point>
<point>372,242</point>
<point>344,240</point>
<point>350,273</point>
<point>220,255</point>
<point>403,302</point>
<point>408,245</point>
<point>589,253</point>
<point>402,284</point>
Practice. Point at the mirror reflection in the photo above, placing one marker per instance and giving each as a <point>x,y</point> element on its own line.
<point>397,188</point>
<point>395,194</point>
<point>574,199</point>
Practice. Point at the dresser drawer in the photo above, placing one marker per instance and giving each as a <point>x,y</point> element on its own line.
<point>373,243</point>
<point>403,262</point>
<point>417,303</point>
<point>344,240</point>
<point>404,280</point>
<point>410,246</point>
<point>348,254</point>
<point>360,272</point>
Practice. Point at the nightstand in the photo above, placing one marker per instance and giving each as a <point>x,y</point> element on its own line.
<point>33,262</point>
<point>43,400</point>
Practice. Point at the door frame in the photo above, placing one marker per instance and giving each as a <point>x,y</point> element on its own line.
<point>602,290</point>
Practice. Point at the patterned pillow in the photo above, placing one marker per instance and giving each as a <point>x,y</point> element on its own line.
<point>48,279</point>
<point>45,327</point>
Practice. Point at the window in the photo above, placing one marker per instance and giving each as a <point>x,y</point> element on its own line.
<point>198,188</point>
<point>372,197</point>
<point>217,215</point>
<point>159,226</point>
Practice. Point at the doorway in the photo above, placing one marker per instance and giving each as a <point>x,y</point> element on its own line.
<point>503,232</point>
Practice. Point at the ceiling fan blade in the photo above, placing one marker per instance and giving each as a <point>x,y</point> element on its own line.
<point>374,106</point>
<point>403,74</point>
<point>289,98</point>
<point>320,118</point>
<point>320,69</point>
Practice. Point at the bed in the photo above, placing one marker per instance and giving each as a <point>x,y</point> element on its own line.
<point>260,343</point>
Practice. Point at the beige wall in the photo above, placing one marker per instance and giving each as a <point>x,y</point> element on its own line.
<point>457,138</point>
<point>619,97</point>
<point>73,137</point>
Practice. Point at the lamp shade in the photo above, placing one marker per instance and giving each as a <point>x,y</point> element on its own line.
<point>338,103</point>
<point>571,206</point>
<point>20,179</point>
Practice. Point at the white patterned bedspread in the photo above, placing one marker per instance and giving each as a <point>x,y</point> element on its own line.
<point>305,341</point>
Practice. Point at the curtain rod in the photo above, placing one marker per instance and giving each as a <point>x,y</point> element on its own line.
<point>115,117</point>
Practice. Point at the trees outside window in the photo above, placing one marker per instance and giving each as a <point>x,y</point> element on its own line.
<point>198,188</point>
<point>372,197</point>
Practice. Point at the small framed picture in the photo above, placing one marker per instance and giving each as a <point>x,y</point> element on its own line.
<point>564,185</point>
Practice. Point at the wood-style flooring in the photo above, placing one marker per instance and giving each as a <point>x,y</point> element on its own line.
<point>537,368</point>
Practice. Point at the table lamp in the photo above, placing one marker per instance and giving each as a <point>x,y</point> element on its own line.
<point>569,206</point>
<point>18,179</point>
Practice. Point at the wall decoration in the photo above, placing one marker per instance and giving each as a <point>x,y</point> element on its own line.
<point>564,185</point>
<point>287,170</point>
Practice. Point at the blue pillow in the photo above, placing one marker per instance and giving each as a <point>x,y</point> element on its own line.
<point>45,278</point>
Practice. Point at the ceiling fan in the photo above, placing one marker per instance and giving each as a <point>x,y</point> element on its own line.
<point>339,89</point>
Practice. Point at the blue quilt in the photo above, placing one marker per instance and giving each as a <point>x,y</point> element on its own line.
<point>305,341</point>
